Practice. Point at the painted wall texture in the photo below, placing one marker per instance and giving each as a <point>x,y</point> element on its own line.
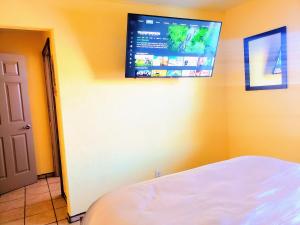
<point>262,122</point>
<point>117,131</point>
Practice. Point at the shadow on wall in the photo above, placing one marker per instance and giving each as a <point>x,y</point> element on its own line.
<point>262,122</point>
<point>102,39</point>
<point>193,104</point>
<point>131,126</point>
<point>101,36</point>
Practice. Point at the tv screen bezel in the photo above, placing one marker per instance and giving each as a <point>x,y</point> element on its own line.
<point>169,17</point>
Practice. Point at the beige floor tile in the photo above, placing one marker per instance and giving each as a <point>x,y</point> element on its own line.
<point>13,195</point>
<point>37,190</point>
<point>14,204</point>
<point>52,180</point>
<point>54,187</point>
<point>38,208</point>
<point>32,199</point>
<point>11,215</point>
<point>15,222</point>
<point>56,195</point>
<point>61,213</point>
<point>65,222</point>
<point>41,219</point>
<point>59,202</point>
<point>41,182</point>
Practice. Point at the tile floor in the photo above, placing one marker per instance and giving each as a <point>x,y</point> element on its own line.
<point>37,204</point>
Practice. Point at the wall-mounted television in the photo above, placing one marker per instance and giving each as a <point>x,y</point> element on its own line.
<point>170,47</point>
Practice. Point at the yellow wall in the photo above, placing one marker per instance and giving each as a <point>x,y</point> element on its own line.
<point>262,122</point>
<point>117,131</point>
<point>30,44</point>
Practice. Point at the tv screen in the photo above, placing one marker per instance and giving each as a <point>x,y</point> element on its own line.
<point>170,47</point>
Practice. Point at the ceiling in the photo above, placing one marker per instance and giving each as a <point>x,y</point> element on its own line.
<point>210,4</point>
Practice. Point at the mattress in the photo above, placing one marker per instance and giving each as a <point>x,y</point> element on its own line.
<point>245,190</point>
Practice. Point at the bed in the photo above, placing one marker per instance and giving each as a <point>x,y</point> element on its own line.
<point>241,191</point>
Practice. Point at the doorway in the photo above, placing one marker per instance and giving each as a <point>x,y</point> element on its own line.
<point>51,94</point>
<point>34,145</point>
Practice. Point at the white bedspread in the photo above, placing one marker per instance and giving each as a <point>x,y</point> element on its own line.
<point>245,190</point>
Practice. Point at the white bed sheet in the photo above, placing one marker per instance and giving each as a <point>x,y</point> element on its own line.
<point>241,191</point>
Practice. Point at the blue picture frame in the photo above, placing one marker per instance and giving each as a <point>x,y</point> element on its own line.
<point>283,60</point>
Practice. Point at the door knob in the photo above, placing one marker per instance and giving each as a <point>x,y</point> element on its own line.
<point>27,127</point>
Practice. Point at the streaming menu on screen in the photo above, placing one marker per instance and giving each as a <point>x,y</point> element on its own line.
<point>170,47</point>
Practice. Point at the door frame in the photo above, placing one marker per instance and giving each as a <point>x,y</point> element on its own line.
<point>51,91</point>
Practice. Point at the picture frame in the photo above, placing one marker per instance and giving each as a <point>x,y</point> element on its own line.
<point>265,58</point>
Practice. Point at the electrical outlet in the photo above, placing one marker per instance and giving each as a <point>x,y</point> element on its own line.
<point>157,173</point>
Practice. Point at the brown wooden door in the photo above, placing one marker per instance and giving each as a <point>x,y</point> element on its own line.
<point>17,160</point>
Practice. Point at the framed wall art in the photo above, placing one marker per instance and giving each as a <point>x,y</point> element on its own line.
<point>265,57</point>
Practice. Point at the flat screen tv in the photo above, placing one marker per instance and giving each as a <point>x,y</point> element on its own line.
<point>170,47</point>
